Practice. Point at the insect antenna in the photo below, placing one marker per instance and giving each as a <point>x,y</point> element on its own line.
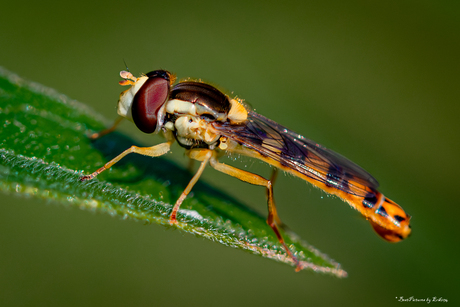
<point>126,65</point>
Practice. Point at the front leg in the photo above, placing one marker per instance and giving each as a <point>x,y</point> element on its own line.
<point>154,151</point>
<point>101,133</point>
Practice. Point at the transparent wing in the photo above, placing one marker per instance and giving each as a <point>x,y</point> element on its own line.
<point>300,154</point>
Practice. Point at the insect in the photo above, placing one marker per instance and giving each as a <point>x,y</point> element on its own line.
<point>208,124</point>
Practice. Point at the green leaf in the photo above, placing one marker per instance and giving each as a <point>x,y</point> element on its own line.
<point>44,150</point>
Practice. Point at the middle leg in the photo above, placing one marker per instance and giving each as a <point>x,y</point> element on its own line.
<point>201,155</point>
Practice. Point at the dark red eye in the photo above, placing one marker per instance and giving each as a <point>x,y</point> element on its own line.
<point>149,99</point>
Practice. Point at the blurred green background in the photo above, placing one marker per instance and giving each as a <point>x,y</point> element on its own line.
<point>377,82</point>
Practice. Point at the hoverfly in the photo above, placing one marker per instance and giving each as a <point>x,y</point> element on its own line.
<point>208,123</point>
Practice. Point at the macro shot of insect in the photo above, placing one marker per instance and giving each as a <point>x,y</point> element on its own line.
<point>209,124</point>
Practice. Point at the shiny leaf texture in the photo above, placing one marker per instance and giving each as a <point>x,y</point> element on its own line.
<point>45,149</point>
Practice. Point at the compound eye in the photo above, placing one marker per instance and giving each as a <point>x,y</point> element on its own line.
<point>149,99</point>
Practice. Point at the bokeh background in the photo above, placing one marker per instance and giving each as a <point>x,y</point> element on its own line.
<point>377,82</point>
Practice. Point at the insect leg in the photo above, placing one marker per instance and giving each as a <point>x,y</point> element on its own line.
<point>201,155</point>
<point>154,151</point>
<point>275,213</point>
<point>258,180</point>
<point>97,135</point>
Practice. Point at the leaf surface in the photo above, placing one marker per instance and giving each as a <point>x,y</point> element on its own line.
<point>45,149</point>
